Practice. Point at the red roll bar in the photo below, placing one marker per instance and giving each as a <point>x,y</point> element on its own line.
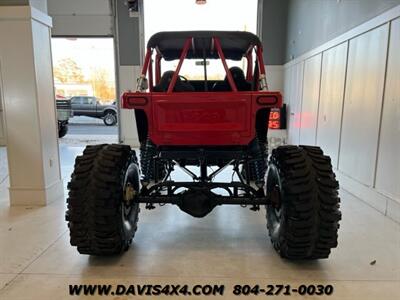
<point>148,66</point>
<point>222,57</point>
<point>158,68</point>
<point>178,68</point>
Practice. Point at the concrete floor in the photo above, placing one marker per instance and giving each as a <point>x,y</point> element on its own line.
<point>230,246</point>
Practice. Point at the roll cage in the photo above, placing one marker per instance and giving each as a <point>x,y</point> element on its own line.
<point>147,80</point>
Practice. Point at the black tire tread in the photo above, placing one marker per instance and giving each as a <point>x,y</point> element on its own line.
<point>62,131</point>
<point>94,202</point>
<point>311,199</point>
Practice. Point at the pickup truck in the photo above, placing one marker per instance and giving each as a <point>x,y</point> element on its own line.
<point>89,106</point>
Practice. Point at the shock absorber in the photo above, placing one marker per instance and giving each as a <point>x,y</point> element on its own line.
<point>147,153</point>
<point>152,168</point>
<point>260,163</point>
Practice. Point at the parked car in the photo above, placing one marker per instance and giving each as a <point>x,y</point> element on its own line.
<point>64,112</point>
<point>89,106</point>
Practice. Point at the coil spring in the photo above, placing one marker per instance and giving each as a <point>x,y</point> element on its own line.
<point>261,163</point>
<point>258,166</point>
<point>147,153</point>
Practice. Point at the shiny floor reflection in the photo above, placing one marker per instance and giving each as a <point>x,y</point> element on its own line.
<point>229,246</point>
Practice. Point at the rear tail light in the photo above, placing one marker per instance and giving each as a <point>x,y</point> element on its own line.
<point>136,101</point>
<point>267,100</point>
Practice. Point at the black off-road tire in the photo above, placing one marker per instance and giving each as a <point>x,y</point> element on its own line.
<point>62,130</point>
<point>303,218</point>
<point>96,215</point>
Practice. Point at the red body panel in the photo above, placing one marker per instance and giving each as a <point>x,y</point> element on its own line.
<point>201,118</point>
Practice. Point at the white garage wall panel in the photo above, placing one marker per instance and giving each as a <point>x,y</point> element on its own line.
<point>294,104</point>
<point>388,168</point>
<point>359,108</point>
<point>287,77</point>
<point>81,17</point>
<point>288,95</point>
<point>362,104</point>
<point>2,129</point>
<point>331,100</point>
<point>309,107</point>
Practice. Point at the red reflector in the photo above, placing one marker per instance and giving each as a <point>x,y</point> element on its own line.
<point>137,101</point>
<point>267,100</point>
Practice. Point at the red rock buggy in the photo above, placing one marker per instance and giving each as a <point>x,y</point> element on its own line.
<point>194,125</point>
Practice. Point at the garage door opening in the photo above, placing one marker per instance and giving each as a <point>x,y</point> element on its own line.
<point>216,15</point>
<point>84,79</point>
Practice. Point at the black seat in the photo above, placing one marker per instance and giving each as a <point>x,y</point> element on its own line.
<point>221,86</point>
<point>238,78</point>
<point>180,86</point>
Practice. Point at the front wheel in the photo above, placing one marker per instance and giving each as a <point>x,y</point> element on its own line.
<point>110,119</point>
<point>303,214</point>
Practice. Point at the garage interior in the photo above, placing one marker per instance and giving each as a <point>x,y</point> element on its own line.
<point>337,65</point>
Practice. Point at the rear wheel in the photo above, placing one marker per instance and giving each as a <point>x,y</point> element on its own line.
<point>303,217</point>
<point>110,119</point>
<point>101,222</point>
<point>62,130</point>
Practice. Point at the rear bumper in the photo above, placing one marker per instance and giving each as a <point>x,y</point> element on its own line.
<point>203,153</point>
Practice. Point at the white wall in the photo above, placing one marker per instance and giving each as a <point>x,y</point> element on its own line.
<point>362,104</point>
<point>29,108</point>
<point>333,74</point>
<point>389,149</point>
<point>293,95</point>
<point>2,129</point>
<point>309,104</point>
<point>345,97</point>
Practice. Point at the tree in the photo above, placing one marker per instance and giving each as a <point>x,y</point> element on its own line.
<point>103,88</point>
<point>67,71</point>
